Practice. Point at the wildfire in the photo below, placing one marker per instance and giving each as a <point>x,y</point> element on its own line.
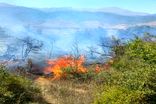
<point>97,69</point>
<point>58,66</point>
<point>68,65</point>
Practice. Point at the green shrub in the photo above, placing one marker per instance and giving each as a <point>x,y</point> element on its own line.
<point>119,95</point>
<point>143,50</point>
<point>71,73</point>
<point>16,89</point>
<point>132,78</point>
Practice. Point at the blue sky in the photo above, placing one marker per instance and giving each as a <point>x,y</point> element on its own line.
<point>148,6</point>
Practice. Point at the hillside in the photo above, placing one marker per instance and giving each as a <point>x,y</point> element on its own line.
<point>60,28</point>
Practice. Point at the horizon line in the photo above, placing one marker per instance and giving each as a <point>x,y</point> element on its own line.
<point>76,8</point>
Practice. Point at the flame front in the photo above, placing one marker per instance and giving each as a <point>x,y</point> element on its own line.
<point>57,66</point>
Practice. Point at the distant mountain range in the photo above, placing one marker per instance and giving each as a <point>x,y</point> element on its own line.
<point>62,27</point>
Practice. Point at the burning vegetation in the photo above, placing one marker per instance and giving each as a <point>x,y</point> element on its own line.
<point>65,65</point>
<point>69,66</point>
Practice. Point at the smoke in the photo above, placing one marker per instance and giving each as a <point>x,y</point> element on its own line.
<point>112,33</point>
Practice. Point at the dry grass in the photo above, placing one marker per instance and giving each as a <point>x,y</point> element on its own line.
<point>66,91</point>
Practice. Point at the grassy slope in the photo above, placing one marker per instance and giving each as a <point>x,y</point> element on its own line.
<point>66,91</point>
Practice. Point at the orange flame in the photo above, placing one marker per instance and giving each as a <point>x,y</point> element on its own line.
<point>57,66</point>
<point>97,69</point>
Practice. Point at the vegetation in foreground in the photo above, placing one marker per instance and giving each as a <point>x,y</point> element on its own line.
<point>132,77</point>
<point>17,90</point>
<point>127,79</point>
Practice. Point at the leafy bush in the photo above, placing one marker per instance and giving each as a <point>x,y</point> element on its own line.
<point>119,95</point>
<point>132,78</point>
<point>143,50</point>
<point>16,89</point>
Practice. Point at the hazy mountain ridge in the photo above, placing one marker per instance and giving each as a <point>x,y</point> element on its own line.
<point>64,26</point>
